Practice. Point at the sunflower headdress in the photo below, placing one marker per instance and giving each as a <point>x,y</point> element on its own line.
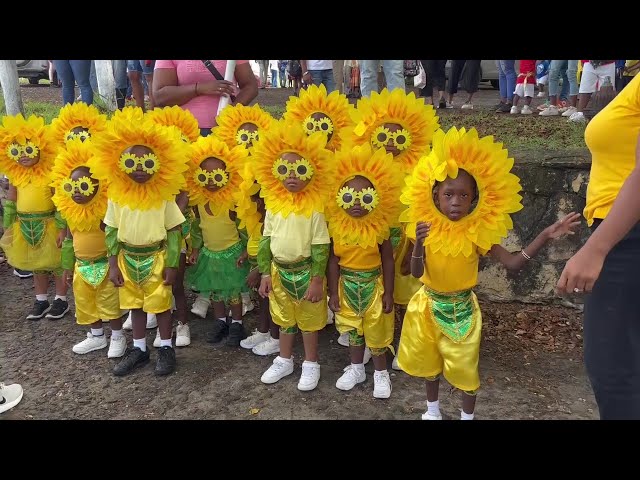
<point>28,137</point>
<point>246,208</point>
<point>418,121</point>
<point>131,113</point>
<point>335,108</point>
<point>228,179</point>
<point>317,165</point>
<point>79,217</point>
<point>179,118</point>
<point>381,200</point>
<point>74,115</point>
<point>488,163</point>
<point>233,117</point>
<point>168,163</point>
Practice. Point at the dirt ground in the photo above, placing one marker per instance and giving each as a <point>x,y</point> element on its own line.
<point>531,363</point>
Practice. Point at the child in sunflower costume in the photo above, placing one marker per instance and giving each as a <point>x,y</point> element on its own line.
<point>241,125</point>
<point>361,269</point>
<point>144,166</point>
<point>251,211</point>
<point>460,198</point>
<point>77,121</point>
<point>34,231</point>
<point>82,201</point>
<point>404,126</point>
<point>184,121</point>
<point>294,171</point>
<point>219,254</point>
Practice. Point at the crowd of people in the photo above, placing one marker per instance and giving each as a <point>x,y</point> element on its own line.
<point>336,210</point>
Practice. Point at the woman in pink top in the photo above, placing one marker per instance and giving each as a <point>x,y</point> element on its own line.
<point>190,85</point>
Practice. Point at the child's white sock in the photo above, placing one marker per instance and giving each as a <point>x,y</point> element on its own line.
<point>358,366</point>
<point>141,344</point>
<point>42,297</point>
<point>223,319</point>
<point>61,297</point>
<point>165,343</point>
<point>466,416</point>
<point>97,332</point>
<point>433,408</point>
<point>116,334</point>
<point>236,321</point>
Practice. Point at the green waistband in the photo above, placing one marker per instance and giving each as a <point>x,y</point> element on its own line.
<point>142,249</point>
<point>36,216</point>
<point>301,265</point>
<point>459,296</point>
<point>360,275</point>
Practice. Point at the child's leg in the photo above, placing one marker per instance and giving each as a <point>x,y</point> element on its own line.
<point>237,333</point>
<point>516,99</point>
<point>166,361</point>
<point>468,405</point>
<point>527,101</point>
<point>310,340</point>
<point>139,323</point>
<point>60,306</point>
<point>286,343</point>
<point>221,328</point>
<point>61,286</point>
<point>179,295</point>
<point>433,405</point>
<point>41,305</point>
<point>41,284</point>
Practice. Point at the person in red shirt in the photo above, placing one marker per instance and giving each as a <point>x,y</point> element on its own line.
<point>524,87</point>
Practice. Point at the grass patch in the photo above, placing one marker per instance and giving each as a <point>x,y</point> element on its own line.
<point>519,131</point>
<point>45,110</point>
<point>276,111</point>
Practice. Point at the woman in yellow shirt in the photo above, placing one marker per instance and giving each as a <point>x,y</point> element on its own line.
<point>607,265</point>
<point>467,206</point>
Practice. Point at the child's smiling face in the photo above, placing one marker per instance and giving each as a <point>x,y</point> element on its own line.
<point>454,196</point>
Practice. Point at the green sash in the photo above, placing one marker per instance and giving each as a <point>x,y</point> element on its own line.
<point>140,260</point>
<point>453,313</point>
<point>295,277</point>
<point>359,287</point>
<point>33,226</point>
<point>93,271</point>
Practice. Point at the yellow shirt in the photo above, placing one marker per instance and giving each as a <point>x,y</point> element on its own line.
<point>34,199</point>
<point>358,258</point>
<point>143,227</point>
<point>252,245</point>
<point>219,232</point>
<point>89,245</point>
<point>446,274</point>
<point>629,64</point>
<point>611,137</point>
<point>292,237</point>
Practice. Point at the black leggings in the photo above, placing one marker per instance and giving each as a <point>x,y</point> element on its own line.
<point>612,331</point>
<point>435,76</point>
<point>471,75</point>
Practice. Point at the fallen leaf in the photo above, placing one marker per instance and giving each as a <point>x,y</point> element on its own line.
<point>254,411</point>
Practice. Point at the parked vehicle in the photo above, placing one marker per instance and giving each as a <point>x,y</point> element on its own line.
<point>33,70</point>
<point>488,71</point>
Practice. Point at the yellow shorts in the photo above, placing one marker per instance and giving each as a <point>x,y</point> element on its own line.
<point>45,256</point>
<point>374,324</point>
<point>288,312</point>
<point>152,295</point>
<point>95,303</point>
<point>425,351</point>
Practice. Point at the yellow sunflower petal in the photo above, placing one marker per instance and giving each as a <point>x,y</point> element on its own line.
<point>77,114</point>
<point>177,117</point>
<point>233,117</point>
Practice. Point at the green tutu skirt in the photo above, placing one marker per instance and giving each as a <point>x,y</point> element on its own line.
<point>217,272</point>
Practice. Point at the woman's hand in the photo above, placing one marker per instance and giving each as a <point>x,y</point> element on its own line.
<point>581,272</point>
<point>216,87</point>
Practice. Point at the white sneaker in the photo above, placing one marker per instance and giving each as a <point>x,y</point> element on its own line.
<point>569,111</point>
<point>526,110</point>
<point>128,323</point>
<point>330,316</point>
<point>351,377</point>
<point>367,356</point>
<point>514,110</point>
<point>381,384</point>
<point>395,365</point>
<point>550,111</point>
<point>247,304</point>
<point>90,344</point>
<point>201,306</point>
<point>427,416</point>
<point>310,376</point>
<point>256,338</point>
<point>280,368</point>
<point>343,340</point>
<point>117,347</point>
<point>183,335</point>
<point>449,105</point>
<point>10,396</point>
<point>467,106</point>
<point>156,341</point>
<point>271,346</point>
<point>577,117</point>
<point>152,321</point>
<point>541,94</point>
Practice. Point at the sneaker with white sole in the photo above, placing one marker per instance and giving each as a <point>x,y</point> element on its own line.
<point>183,335</point>
<point>514,110</point>
<point>550,111</point>
<point>271,346</point>
<point>367,355</point>
<point>526,110</point>
<point>467,106</point>
<point>280,368</point>
<point>156,341</point>
<point>10,396</point>
<point>352,376</point>
<point>117,347</point>
<point>541,94</point>
<point>330,316</point>
<point>569,111</point>
<point>310,376</point>
<point>381,384</point>
<point>200,306</point>
<point>577,117</point>
<point>90,344</point>
<point>256,338</point>
<point>343,340</point>
<point>395,365</point>
<point>427,416</point>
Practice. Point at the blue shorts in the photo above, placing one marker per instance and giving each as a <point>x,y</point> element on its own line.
<point>140,66</point>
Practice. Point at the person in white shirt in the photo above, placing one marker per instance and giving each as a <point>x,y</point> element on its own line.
<point>317,72</point>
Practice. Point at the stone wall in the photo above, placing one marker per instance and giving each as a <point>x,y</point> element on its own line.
<point>553,184</point>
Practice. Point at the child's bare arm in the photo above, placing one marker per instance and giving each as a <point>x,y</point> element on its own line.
<point>388,275</point>
<point>417,255</point>
<point>12,193</point>
<point>333,278</point>
<point>515,261</point>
